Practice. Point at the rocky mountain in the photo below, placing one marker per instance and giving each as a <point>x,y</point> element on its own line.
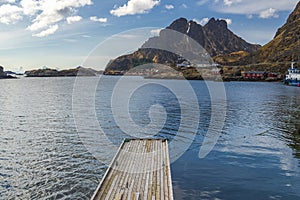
<point>284,47</point>
<point>214,37</point>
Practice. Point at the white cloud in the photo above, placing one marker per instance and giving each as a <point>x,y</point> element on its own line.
<point>201,2</point>
<point>7,1</point>
<point>49,31</point>
<point>228,21</point>
<point>71,20</point>
<point>45,14</point>
<point>134,7</point>
<point>269,13</point>
<point>96,19</point>
<point>202,22</point>
<point>184,5</point>
<point>230,2</point>
<point>253,7</point>
<point>50,13</point>
<point>44,21</point>
<point>155,32</point>
<point>30,7</point>
<point>169,6</point>
<point>10,14</point>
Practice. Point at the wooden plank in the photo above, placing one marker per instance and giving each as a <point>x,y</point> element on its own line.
<point>111,188</point>
<point>169,173</point>
<point>150,171</point>
<point>139,188</point>
<point>165,172</point>
<point>122,168</point>
<point>129,177</point>
<point>139,170</point>
<point>106,173</point>
<point>161,171</point>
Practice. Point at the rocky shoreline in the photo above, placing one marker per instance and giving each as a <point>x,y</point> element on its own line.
<point>221,73</point>
<point>224,79</point>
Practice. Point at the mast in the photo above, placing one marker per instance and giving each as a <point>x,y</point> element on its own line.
<point>292,64</point>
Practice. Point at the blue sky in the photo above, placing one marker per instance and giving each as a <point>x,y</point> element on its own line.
<point>62,33</point>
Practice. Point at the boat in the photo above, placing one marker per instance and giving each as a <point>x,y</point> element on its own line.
<point>293,76</point>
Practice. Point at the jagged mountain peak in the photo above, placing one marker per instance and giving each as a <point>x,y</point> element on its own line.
<point>219,23</point>
<point>180,25</point>
<point>215,36</point>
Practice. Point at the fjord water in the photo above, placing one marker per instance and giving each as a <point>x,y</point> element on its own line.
<point>256,157</point>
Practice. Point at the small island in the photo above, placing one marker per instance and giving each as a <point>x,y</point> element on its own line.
<point>47,72</point>
<point>4,75</point>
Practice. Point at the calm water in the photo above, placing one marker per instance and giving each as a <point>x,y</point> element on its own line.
<point>43,157</point>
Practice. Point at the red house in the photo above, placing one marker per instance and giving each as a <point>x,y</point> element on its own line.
<point>255,74</point>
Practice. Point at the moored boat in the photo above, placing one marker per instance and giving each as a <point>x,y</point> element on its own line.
<point>293,76</point>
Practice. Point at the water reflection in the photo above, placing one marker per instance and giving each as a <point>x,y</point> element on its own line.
<point>294,122</point>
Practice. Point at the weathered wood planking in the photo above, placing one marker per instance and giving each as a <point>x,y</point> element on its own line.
<point>139,171</point>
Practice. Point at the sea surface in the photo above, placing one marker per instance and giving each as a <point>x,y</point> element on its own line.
<point>44,156</point>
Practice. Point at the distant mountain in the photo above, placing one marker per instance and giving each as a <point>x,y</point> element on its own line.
<point>79,71</point>
<point>214,37</point>
<point>284,47</point>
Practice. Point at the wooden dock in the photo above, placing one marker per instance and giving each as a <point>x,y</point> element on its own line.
<point>139,171</point>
